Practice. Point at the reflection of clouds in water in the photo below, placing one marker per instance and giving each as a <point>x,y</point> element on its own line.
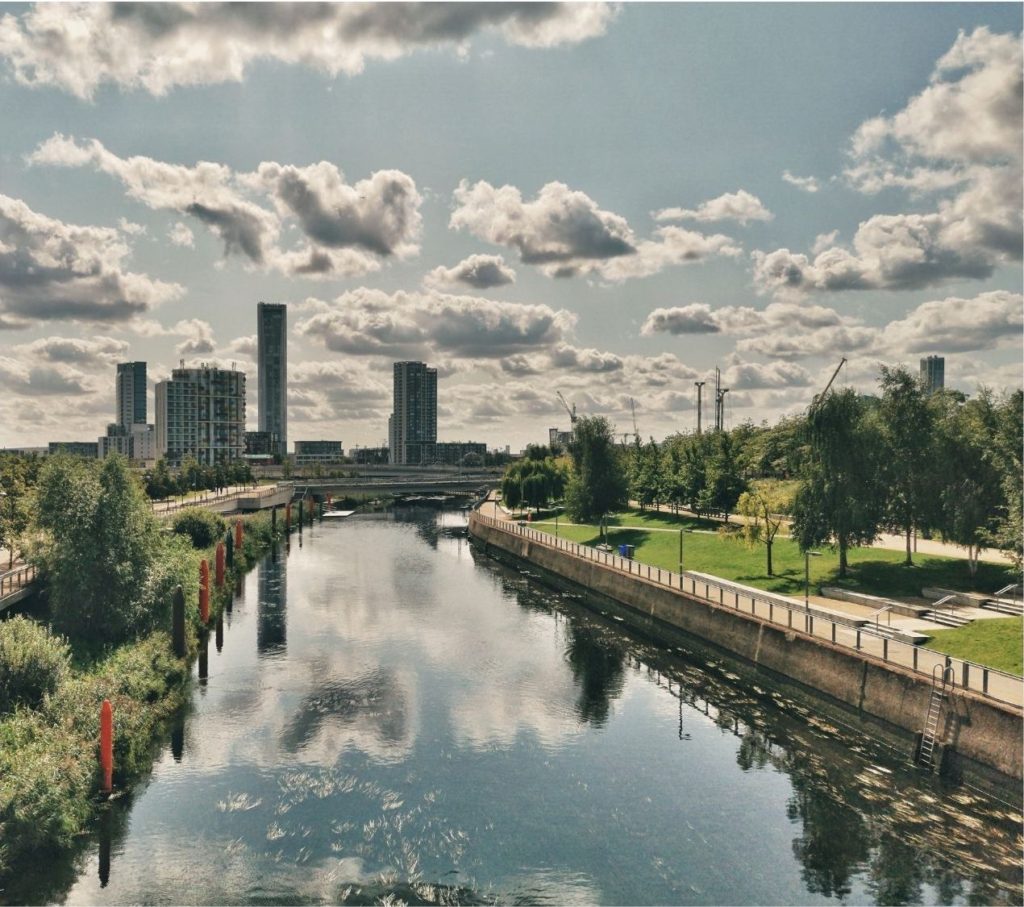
<point>507,678</point>
<point>369,711</point>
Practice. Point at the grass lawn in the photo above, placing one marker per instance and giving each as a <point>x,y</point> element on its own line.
<point>873,570</point>
<point>996,643</point>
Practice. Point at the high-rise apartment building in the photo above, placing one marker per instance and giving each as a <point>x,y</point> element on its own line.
<point>412,428</point>
<point>933,373</point>
<point>272,361</point>
<point>201,412</point>
<point>131,394</point>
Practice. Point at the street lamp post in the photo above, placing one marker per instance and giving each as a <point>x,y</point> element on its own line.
<point>807,577</point>
<point>681,531</point>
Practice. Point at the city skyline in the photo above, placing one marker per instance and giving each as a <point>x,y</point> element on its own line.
<point>681,200</point>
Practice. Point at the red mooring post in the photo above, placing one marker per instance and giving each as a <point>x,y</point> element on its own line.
<point>219,575</point>
<point>107,745</point>
<point>328,500</point>
<point>238,536</point>
<point>204,591</point>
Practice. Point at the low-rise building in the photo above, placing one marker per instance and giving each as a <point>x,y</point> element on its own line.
<point>453,453</point>
<point>87,449</point>
<point>307,452</point>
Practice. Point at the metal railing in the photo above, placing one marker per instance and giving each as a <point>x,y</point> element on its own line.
<point>787,613</point>
<point>16,579</point>
<point>161,507</point>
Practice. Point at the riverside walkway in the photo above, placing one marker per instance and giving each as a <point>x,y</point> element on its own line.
<point>785,612</point>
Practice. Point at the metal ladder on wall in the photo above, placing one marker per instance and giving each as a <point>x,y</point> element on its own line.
<point>940,675</point>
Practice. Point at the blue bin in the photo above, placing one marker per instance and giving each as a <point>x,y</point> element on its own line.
<point>623,550</point>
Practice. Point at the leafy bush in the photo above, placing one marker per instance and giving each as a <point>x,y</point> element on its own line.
<point>32,663</point>
<point>202,526</point>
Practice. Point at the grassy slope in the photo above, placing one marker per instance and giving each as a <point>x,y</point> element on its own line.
<point>996,643</point>
<point>877,571</point>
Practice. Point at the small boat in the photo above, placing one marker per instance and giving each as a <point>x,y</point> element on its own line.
<point>337,513</point>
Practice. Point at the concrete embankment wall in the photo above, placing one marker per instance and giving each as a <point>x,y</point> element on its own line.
<point>981,730</point>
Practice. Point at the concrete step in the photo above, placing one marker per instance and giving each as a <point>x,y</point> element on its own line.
<point>946,619</point>
<point>1004,606</point>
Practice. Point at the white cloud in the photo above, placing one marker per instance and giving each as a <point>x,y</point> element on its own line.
<point>963,132</point>
<point>181,235</point>
<point>371,322</point>
<point>94,353</point>
<point>347,229</point>
<point>565,233</point>
<point>740,206</point>
<point>755,375</point>
<point>79,47</point>
<point>955,325</point>
<point>806,183</point>
<point>52,270</point>
<point>481,272</point>
<point>198,336</point>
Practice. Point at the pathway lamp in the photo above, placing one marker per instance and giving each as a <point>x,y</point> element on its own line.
<point>681,531</point>
<point>807,577</point>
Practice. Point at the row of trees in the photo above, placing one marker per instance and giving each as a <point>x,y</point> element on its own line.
<point>912,462</point>
<point>905,461</point>
<point>162,482</point>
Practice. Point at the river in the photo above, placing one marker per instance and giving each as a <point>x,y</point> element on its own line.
<point>388,715</point>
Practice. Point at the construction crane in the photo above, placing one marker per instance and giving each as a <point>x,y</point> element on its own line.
<point>636,432</point>
<point>820,398</point>
<point>571,412</point>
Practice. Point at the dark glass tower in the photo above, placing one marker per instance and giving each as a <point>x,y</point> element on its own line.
<point>413,424</point>
<point>131,394</point>
<point>272,346</point>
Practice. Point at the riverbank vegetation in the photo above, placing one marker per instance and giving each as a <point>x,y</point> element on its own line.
<point>109,570</point>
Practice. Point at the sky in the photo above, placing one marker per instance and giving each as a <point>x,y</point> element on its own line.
<point>606,200</point>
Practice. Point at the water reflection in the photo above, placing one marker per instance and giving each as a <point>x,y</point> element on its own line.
<point>272,611</point>
<point>374,704</point>
<point>443,729</point>
<point>598,669</point>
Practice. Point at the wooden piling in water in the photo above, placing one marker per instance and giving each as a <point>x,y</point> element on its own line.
<point>288,517</point>
<point>230,550</point>
<point>107,746</point>
<point>239,533</point>
<point>220,565</point>
<point>204,591</point>
<point>178,622</point>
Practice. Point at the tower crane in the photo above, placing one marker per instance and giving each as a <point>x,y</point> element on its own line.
<point>571,412</point>
<point>636,433</point>
<point>820,398</point>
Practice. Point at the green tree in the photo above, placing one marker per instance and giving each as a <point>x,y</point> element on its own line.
<point>907,426</point>
<point>972,492</point>
<point>765,505</point>
<point>598,482</point>
<point>109,569</point>
<point>646,473</point>
<point>723,481</point>
<point>839,500</point>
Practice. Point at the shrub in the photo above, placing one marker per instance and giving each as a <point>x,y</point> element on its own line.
<point>33,662</point>
<point>200,525</point>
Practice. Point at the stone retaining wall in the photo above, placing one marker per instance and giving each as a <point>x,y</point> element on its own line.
<point>981,730</point>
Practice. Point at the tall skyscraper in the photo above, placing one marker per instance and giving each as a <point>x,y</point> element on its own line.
<point>412,428</point>
<point>933,373</point>
<point>272,353</point>
<point>201,411</point>
<point>131,394</point>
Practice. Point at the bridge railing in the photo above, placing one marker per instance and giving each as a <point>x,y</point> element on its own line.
<point>18,578</point>
<point>258,492</point>
<point>787,613</point>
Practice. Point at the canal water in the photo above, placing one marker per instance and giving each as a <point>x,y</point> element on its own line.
<point>389,716</point>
